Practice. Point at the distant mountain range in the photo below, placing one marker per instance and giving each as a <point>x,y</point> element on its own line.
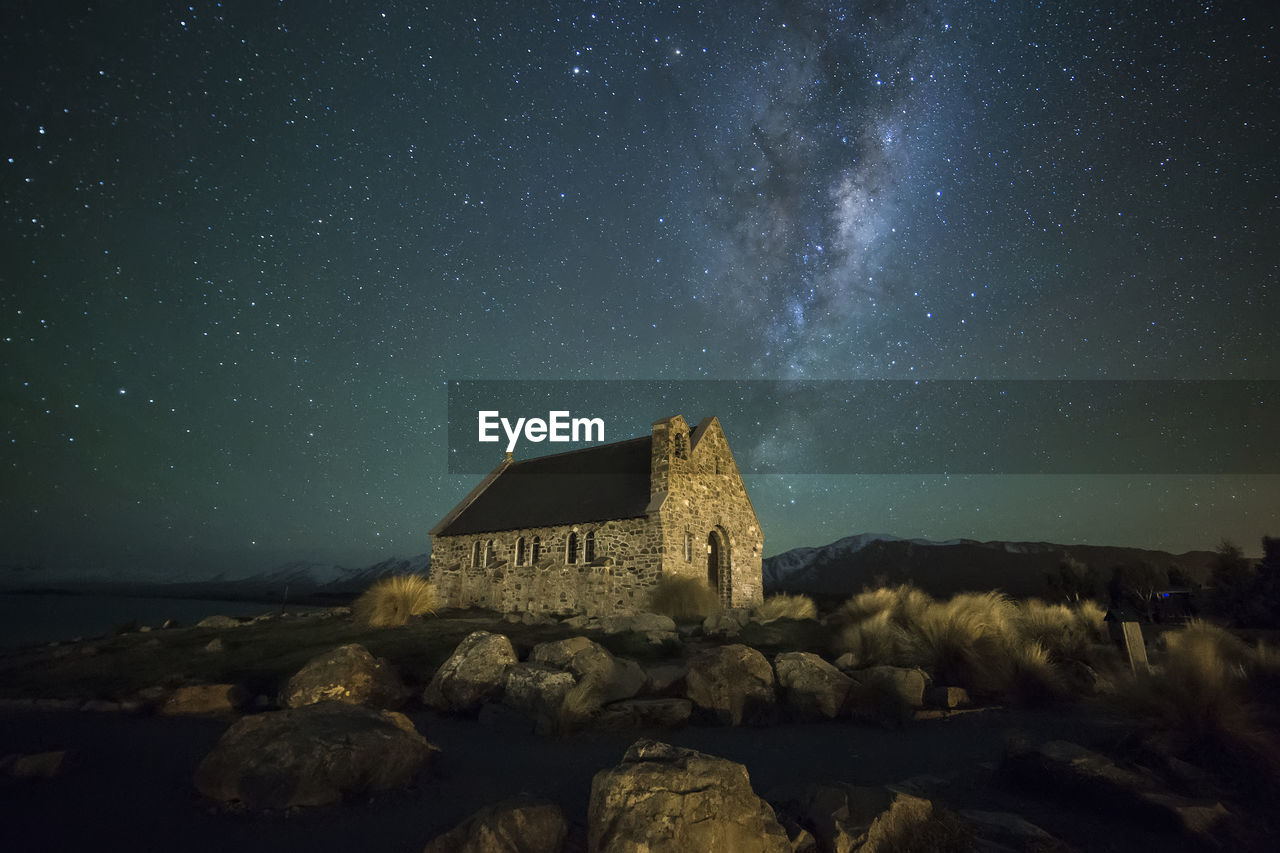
<point>840,568</point>
<point>296,582</point>
<point>956,565</point>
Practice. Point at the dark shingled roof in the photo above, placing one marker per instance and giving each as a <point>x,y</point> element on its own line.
<point>594,484</point>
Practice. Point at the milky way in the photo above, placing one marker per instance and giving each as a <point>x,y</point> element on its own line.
<point>245,245</point>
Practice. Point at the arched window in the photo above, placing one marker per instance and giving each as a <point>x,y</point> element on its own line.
<point>589,547</point>
<point>490,553</point>
<point>475,555</point>
<point>571,548</point>
<point>520,551</point>
<point>535,551</point>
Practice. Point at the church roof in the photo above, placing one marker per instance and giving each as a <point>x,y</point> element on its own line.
<point>593,484</point>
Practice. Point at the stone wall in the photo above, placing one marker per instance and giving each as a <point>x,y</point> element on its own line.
<point>627,564</point>
<point>705,493</point>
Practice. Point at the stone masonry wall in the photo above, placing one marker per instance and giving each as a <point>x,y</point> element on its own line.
<point>705,493</point>
<point>627,564</point>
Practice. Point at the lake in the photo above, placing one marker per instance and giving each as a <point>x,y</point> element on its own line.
<point>33,619</point>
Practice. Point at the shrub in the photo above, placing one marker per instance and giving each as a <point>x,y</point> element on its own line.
<point>1067,632</point>
<point>1032,676</point>
<point>966,641</point>
<point>684,599</point>
<point>1201,700</point>
<point>875,640</point>
<point>783,606</point>
<point>985,642</point>
<point>903,604</point>
<point>393,599</point>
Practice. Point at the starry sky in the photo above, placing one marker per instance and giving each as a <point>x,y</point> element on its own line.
<point>244,246</point>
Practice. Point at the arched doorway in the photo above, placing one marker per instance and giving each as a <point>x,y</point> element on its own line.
<point>718,574</point>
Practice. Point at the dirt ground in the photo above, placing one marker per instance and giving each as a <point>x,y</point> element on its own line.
<point>128,785</point>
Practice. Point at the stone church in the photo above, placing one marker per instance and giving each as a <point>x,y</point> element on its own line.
<point>592,531</point>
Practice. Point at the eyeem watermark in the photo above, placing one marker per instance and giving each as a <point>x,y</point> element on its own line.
<point>893,426</point>
<point>558,427</point>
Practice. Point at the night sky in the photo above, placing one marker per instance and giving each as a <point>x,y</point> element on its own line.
<point>245,245</point>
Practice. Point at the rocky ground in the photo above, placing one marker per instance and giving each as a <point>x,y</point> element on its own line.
<point>295,746</point>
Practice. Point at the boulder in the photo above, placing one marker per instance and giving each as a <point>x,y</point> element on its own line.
<point>726,623</point>
<point>645,714</point>
<point>601,677</point>
<point>218,621</point>
<point>35,765</point>
<point>473,674</point>
<point>311,756</point>
<point>1063,769</point>
<point>665,679</point>
<point>523,824</point>
<point>542,694</point>
<point>347,674</point>
<point>644,623</point>
<point>733,685</point>
<point>811,688</point>
<point>205,699</point>
<point>914,823</point>
<point>837,814</point>
<point>1009,829</point>
<point>664,799</point>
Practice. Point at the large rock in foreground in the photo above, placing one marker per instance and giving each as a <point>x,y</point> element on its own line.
<point>347,674</point>
<point>311,756</point>
<point>733,684</point>
<point>473,674</point>
<point>523,824</point>
<point>1067,770</point>
<point>664,799</point>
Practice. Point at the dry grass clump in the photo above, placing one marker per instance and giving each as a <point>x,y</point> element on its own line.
<point>903,605</point>
<point>684,599</point>
<point>1204,701</point>
<point>967,641</point>
<point>1069,633</point>
<point>985,642</point>
<point>1201,690</point>
<point>392,600</point>
<point>876,640</point>
<point>784,606</point>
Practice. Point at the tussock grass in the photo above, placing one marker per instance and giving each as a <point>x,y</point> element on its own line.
<point>1201,689</point>
<point>783,606</point>
<point>967,641</point>
<point>1206,699</point>
<point>903,604</point>
<point>684,599</point>
<point>876,640</point>
<point>985,642</point>
<point>392,600</point>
